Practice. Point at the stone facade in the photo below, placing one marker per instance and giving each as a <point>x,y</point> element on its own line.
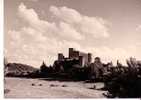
<point>84,58</point>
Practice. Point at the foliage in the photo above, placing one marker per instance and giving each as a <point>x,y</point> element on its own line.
<point>124,84</point>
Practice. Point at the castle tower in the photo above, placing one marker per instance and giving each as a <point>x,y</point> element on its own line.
<point>60,56</point>
<point>70,52</point>
<point>89,57</point>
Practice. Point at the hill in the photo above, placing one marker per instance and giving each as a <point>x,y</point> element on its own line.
<point>18,69</point>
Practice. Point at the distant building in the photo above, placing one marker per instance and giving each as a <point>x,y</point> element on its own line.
<point>83,58</point>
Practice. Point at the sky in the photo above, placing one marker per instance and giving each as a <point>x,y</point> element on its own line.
<point>36,30</point>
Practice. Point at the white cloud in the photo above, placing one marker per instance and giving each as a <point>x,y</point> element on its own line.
<point>41,40</point>
<point>69,32</point>
<point>74,27</point>
<point>138,28</point>
<point>94,26</point>
<point>15,35</point>
<point>66,14</point>
<point>27,14</point>
<point>64,30</point>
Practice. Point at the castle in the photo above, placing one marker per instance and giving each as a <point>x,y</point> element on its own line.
<point>83,58</point>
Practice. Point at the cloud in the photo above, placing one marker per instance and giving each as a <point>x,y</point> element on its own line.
<point>40,40</point>
<point>138,28</point>
<point>66,30</point>
<point>27,14</point>
<point>72,25</point>
<point>32,48</point>
<point>94,26</point>
<point>63,30</point>
<point>66,14</point>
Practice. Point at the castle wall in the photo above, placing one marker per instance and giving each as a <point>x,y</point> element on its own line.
<point>84,58</point>
<point>73,54</point>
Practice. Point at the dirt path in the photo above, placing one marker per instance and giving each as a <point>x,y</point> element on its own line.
<point>34,88</point>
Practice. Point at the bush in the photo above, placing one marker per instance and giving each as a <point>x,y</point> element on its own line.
<point>124,85</point>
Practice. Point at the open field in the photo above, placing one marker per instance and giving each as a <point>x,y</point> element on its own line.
<point>36,88</point>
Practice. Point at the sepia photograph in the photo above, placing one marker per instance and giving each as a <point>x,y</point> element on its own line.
<point>84,49</point>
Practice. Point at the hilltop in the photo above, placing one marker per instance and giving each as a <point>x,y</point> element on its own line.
<point>18,69</point>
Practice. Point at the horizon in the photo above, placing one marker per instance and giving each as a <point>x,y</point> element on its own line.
<point>36,30</point>
<point>114,64</point>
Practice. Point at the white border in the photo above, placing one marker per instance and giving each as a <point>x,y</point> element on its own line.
<point>1,50</point>
<point>2,58</point>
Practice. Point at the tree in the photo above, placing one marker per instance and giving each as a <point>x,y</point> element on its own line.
<point>43,68</point>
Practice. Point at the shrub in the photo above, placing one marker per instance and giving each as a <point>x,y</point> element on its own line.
<point>124,85</point>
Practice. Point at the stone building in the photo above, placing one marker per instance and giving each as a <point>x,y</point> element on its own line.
<point>75,58</point>
<point>81,57</point>
<point>84,58</point>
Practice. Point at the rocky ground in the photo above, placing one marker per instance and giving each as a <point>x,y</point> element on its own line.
<point>37,88</point>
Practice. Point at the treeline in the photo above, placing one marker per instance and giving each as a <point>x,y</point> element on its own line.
<point>120,81</point>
